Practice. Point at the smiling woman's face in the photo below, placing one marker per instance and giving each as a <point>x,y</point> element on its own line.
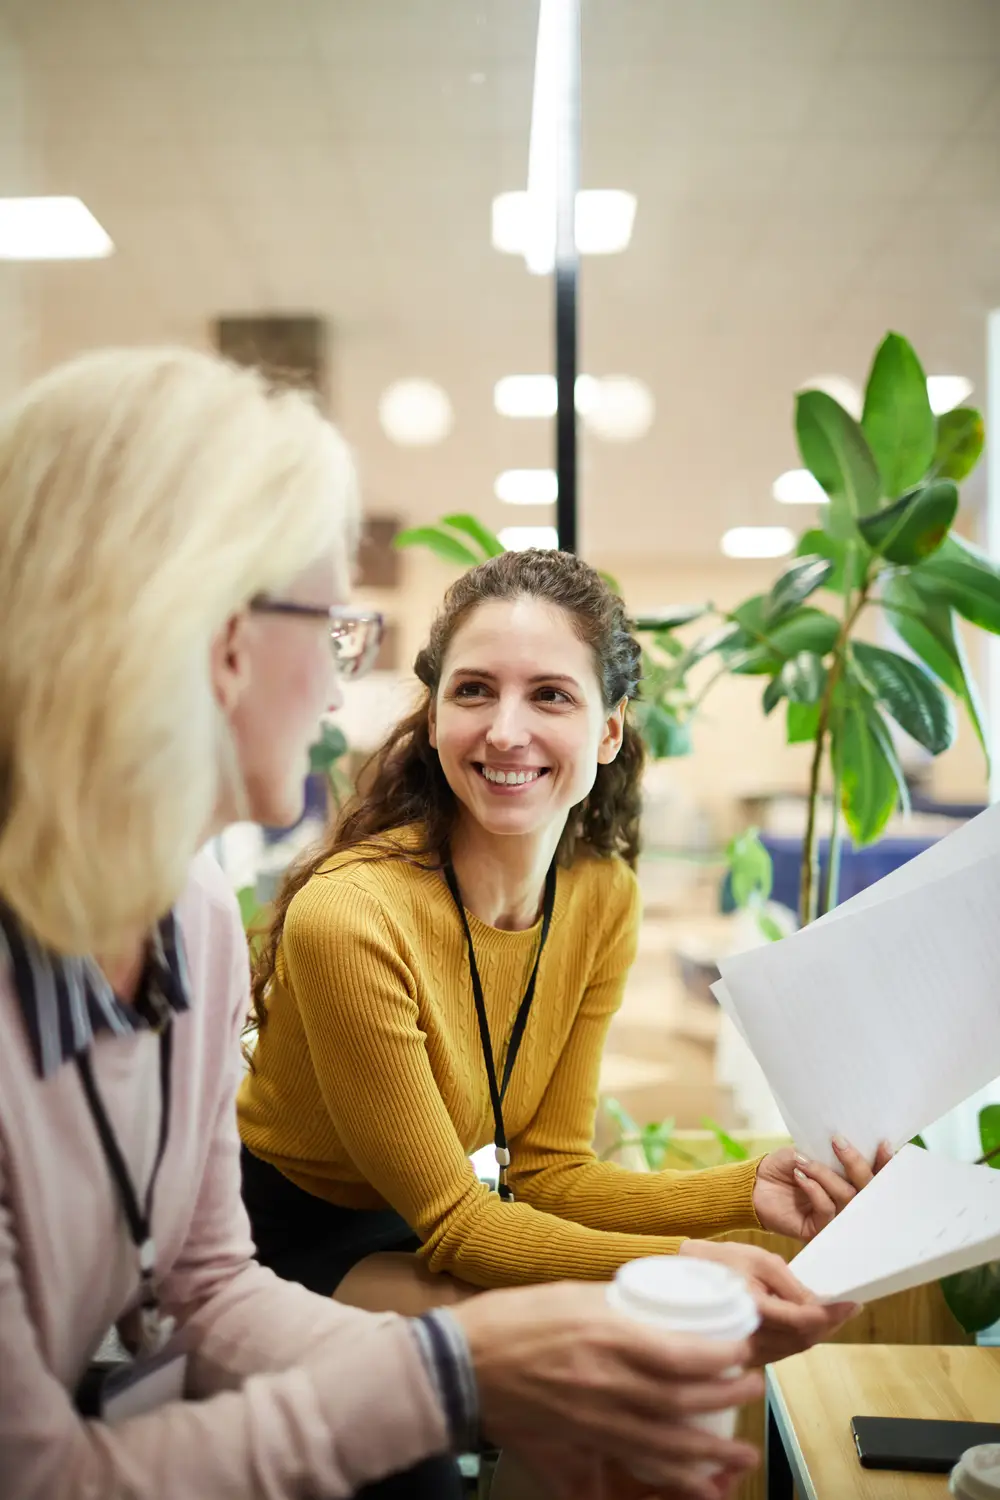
<point>519,722</point>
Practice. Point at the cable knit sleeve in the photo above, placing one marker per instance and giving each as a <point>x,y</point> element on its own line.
<point>555,1168</point>
<point>349,965</point>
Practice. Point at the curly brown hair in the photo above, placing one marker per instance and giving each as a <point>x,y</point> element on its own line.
<point>403,783</point>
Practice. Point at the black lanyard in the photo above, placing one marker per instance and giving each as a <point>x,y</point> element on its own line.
<point>498,1091</point>
<point>139,1219</point>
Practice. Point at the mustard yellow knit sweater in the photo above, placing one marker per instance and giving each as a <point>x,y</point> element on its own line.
<point>369,1086</point>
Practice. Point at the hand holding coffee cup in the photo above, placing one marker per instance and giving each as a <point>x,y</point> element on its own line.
<point>790,1317</point>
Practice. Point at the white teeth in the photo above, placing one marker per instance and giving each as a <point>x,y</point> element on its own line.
<point>509,778</point>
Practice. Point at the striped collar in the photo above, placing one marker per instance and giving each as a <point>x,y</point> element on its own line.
<point>67,1001</point>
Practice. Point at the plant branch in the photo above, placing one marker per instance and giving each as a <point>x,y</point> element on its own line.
<point>809,886</point>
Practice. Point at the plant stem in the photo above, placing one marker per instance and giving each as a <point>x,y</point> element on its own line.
<point>809,887</point>
<point>833,854</point>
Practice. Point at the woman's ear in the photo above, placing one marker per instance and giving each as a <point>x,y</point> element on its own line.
<point>229,662</point>
<point>432,723</point>
<point>614,730</point>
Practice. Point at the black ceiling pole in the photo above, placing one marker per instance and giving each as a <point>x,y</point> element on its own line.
<point>567,273</point>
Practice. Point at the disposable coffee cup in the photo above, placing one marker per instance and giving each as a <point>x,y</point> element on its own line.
<point>976,1476</point>
<point>680,1294</point>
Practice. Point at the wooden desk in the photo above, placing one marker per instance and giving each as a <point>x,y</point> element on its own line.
<point>812,1397</point>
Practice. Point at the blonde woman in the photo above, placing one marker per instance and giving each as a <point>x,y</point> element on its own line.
<point>175,544</point>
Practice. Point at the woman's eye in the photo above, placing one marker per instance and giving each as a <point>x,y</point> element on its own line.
<point>553,695</point>
<point>469,690</point>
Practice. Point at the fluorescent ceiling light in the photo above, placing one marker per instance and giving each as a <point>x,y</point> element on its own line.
<point>537,395</point>
<point>623,410</point>
<point>758,541</point>
<point>841,389</point>
<point>415,413</point>
<point>527,486</point>
<point>945,392</point>
<point>551,50</point>
<point>604,221</point>
<point>519,538</point>
<point>799,487</point>
<point>50,229</point>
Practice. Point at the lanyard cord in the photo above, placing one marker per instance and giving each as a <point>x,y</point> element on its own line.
<point>139,1219</point>
<point>497,1090</point>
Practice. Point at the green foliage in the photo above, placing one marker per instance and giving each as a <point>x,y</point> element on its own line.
<point>849,558</point>
<point>974,1296</point>
<point>458,539</point>
<point>960,437</point>
<point>870,777</point>
<point>835,451</point>
<point>915,526</point>
<point>751,878</point>
<point>654,1139</point>
<point>328,749</point>
<point>732,1150</point>
<point>909,694</point>
<point>897,419</point>
<point>800,579</point>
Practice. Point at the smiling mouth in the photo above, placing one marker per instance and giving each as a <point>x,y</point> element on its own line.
<point>499,776</point>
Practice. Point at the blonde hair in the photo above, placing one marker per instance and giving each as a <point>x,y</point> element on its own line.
<point>146,495</point>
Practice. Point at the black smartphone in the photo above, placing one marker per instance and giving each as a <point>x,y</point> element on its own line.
<point>919,1445</point>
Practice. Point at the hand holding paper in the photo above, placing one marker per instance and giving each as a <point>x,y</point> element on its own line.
<point>923,1216</point>
<point>879,1020</point>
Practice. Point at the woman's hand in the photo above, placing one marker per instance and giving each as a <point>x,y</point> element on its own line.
<point>791,1318</point>
<point>561,1374</point>
<point>799,1197</point>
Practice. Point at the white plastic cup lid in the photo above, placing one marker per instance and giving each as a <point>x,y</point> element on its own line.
<point>976,1476</point>
<point>687,1296</point>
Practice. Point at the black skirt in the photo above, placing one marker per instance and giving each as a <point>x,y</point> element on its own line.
<point>303,1238</point>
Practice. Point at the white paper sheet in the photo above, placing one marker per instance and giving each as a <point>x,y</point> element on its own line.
<point>922,1217</point>
<point>876,1024</point>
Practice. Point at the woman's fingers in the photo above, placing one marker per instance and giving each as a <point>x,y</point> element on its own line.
<point>883,1156</point>
<point>677,1356</point>
<point>859,1172</point>
<point>826,1190</point>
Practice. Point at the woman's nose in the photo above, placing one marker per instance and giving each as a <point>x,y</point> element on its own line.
<point>508,730</point>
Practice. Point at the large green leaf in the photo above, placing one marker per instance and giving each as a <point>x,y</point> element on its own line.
<point>989,1132</point>
<point>487,540</point>
<point>442,543</point>
<point>751,870</point>
<point>328,749</point>
<point>665,734</point>
<point>807,629</point>
<point>897,419</point>
<point>841,552</point>
<point>869,786</point>
<point>929,628</point>
<point>964,577</point>
<point>974,1296</point>
<point>800,579</point>
<point>719,640</point>
<point>671,617</point>
<point>801,723</point>
<point>801,680</point>
<point>836,453</point>
<point>910,695</point>
<point>911,529</point>
<point>960,437</point>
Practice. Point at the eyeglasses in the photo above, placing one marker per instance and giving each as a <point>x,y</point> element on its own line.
<point>355,634</point>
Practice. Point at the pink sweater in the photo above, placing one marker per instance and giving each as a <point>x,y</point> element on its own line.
<point>305,1398</point>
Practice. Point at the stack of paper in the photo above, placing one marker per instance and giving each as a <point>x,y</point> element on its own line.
<point>871,1024</point>
<point>882,1016</point>
<point>924,1216</point>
